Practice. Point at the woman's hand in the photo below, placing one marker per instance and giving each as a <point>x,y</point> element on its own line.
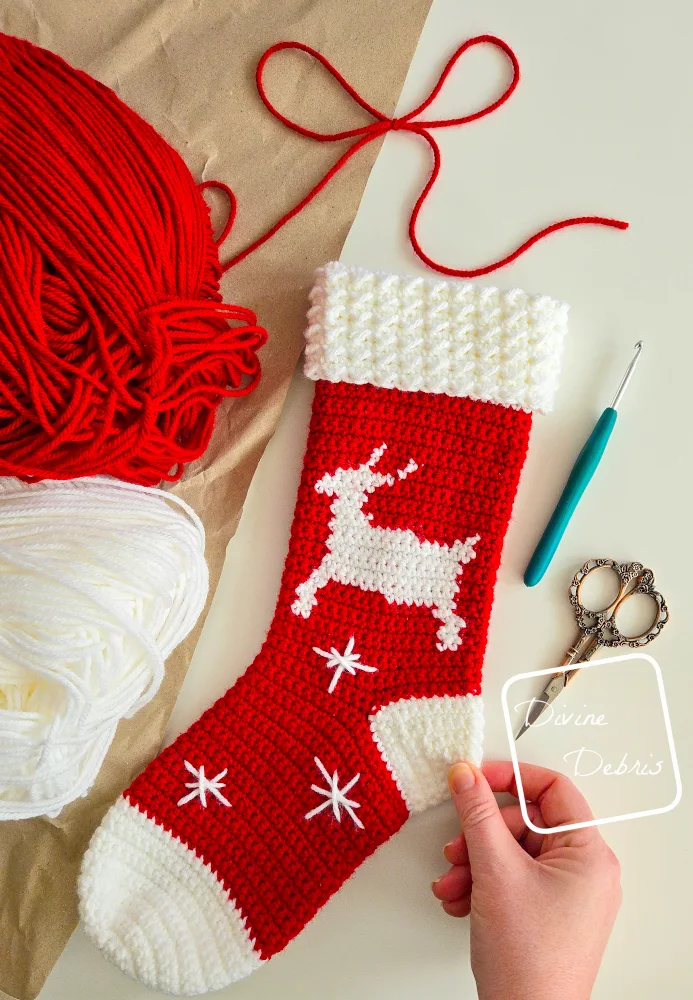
<point>542,907</point>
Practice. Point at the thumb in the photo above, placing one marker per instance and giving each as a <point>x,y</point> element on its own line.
<point>489,842</point>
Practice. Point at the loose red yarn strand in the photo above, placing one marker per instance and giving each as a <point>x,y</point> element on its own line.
<point>407,123</point>
<point>233,206</point>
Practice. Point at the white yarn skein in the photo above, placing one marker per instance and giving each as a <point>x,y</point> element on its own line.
<point>99,582</point>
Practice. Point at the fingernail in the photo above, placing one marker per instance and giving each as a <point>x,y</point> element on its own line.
<point>460,778</point>
<point>447,851</point>
<point>435,882</point>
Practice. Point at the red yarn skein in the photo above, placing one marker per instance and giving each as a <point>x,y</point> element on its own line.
<point>115,345</point>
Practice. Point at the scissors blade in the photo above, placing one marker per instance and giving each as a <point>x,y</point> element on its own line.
<point>540,704</point>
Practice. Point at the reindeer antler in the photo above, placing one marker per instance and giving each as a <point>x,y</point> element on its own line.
<point>411,466</point>
<point>376,455</point>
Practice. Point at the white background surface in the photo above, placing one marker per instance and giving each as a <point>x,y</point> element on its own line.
<point>601,124</point>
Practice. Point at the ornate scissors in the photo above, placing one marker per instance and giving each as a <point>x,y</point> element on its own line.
<point>598,628</point>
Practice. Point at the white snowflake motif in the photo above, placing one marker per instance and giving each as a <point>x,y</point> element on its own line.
<point>335,796</point>
<point>346,662</point>
<point>202,784</point>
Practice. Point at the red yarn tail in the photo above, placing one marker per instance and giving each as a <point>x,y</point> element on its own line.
<point>382,124</point>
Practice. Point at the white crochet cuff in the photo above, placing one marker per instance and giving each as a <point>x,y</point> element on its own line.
<point>435,336</point>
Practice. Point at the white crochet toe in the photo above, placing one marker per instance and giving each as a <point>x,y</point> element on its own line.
<point>157,911</point>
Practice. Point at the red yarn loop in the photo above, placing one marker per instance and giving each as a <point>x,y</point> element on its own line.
<point>115,345</point>
<point>407,123</point>
<point>233,206</point>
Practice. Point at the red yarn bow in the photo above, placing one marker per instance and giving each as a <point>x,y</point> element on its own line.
<point>407,123</point>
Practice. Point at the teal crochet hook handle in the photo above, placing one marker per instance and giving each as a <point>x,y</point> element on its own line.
<point>581,473</point>
<point>583,470</point>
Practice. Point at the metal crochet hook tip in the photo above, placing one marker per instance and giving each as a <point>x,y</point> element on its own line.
<point>627,376</point>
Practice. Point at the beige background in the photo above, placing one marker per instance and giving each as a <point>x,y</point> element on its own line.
<point>601,123</point>
<point>189,69</point>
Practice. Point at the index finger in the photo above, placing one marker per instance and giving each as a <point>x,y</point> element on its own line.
<point>561,803</point>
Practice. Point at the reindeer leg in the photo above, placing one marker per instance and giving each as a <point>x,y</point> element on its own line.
<point>449,631</point>
<point>306,591</point>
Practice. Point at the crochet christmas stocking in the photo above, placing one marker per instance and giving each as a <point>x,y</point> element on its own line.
<point>368,685</point>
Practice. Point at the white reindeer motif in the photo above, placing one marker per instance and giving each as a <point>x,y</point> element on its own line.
<point>391,561</point>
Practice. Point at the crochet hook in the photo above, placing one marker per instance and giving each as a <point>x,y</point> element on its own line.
<point>581,473</point>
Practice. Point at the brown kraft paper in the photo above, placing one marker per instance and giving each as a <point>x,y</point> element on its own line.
<point>188,69</point>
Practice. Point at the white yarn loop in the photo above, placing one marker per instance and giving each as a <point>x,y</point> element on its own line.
<point>99,582</point>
